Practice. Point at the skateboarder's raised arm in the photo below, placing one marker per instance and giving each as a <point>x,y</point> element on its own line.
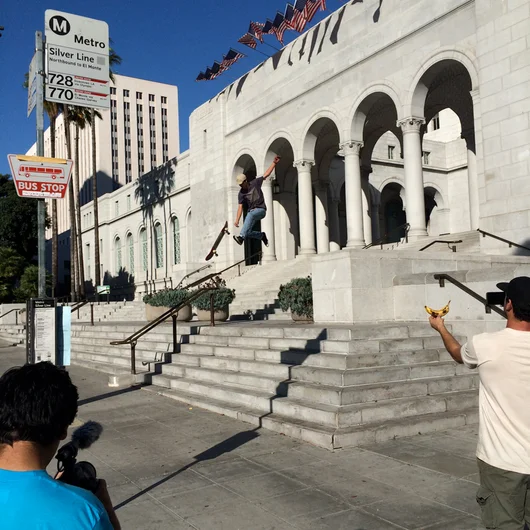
<point>269,171</point>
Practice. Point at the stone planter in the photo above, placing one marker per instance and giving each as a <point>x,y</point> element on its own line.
<point>300,318</point>
<point>153,312</point>
<point>218,316</point>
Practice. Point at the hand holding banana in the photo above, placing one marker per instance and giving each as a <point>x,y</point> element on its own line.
<point>438,312</point>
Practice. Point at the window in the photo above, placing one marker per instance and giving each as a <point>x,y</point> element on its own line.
<point>151,97</point>
<point>391,149</point>
<point>117,254</point>
<point>113,90</point>
<point>138,95</point>
<point>143,243</point>
<point>128,203</point>
<point>113,103</point>
<point>426,155</point>
<point>125,93</point>
<point>436,122</point>
<point>159,246</point>
<point>117,208</point>
<point>163,99</point>
<point>176,241</point>
<point>130,246</point>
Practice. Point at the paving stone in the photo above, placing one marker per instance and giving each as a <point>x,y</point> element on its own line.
<point>149,515</point>
<point>167,485</point>
<point>283,459</point>
<point>459,495</point>
<point>236,468</point>
<point>346,520</point>
<point>265,486</point>
<point>461,523</point>
<point>411,512</point>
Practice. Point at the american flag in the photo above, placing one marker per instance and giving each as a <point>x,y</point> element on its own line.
<point>208,74</point>
<point>217,70</point>
<point>311,9</point>
<point>231,57</point>
<point>201,77</point>
<point>298,21</point>
<point>279,27</point>
<point>268,28</point>
<point>248,40</point>
<point>287,17</point>
<point>256,29</point>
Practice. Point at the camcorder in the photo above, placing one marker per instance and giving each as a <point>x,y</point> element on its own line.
<point>496,298</point>
<point>80,474</point>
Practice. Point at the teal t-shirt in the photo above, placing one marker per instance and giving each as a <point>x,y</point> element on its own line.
<point>32,500</point>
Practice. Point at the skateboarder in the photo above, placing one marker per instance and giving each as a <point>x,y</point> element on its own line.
<point>251,196</point>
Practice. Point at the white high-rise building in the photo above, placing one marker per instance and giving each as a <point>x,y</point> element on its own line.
<point>138,133</point>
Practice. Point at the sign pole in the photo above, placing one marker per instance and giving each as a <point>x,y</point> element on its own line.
<point>41,212</point>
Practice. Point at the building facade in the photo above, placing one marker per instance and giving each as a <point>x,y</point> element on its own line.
<point>421,117</point>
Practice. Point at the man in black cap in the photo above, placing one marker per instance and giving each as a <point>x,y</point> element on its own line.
<point>503,452</point>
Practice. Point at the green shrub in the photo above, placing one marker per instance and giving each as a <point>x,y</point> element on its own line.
<point>222,298</point>
<point>167,297</point>
<point>297,296</point>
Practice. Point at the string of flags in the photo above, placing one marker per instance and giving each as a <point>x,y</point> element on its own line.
<point>295,18</point>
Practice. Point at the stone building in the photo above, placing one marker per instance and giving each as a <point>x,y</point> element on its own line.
<point>420,116</point>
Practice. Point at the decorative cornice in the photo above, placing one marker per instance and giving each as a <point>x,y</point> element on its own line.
<point>351,147</point>
<point>300,164</point>
<point>411,125</point>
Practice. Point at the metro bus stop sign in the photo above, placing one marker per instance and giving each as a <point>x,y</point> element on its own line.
<point>39,177</point>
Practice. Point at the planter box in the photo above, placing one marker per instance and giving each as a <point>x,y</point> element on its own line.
<point>300,318</point>
<point>218,316</point>
<point>153,312</point>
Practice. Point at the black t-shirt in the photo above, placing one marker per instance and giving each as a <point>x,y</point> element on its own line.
<point>253,198</point>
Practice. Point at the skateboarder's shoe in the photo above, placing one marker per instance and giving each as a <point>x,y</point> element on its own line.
<point>238,240</point>
<point>265,239</point>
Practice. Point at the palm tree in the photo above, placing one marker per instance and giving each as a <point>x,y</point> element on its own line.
<point>71,198</point>
<point>114,59</point>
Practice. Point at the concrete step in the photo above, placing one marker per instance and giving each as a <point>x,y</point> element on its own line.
<point>121,360</point>
<point>322,435</point>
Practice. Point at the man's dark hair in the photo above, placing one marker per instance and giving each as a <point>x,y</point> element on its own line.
<point>37,404</point>
<point>521,312</point>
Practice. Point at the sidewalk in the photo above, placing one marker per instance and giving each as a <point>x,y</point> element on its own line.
<point>170,466</point>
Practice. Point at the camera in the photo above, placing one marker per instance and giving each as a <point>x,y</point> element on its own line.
<point>496,298</point>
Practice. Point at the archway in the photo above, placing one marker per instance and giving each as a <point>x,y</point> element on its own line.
<point>392,213</point>
<point>284,208</point>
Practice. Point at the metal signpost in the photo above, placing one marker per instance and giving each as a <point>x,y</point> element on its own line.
<point>77,60</point>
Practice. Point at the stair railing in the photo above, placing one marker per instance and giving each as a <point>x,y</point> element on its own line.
<point>449,243</point>
<point>192,274</point>
<point>499,238</point>
<point>488,307</point>
<point>383,240</point>
<point>212,281</point>
<point>16,311</point>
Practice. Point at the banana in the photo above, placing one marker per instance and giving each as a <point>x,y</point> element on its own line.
<point>438,312</point>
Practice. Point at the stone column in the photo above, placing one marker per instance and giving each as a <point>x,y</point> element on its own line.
<point>334,225</point>
<point>354,203</point>
<point>305,207</point>
<point>267,225</point>
<point>472,178</point>
<point>367,204</point>
<point>321,214</point>
<point>414,193</point>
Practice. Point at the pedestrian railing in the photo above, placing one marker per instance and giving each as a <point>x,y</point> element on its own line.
<point>488,307</point>
<point>16,311</point>
<point>498,238</point>
<point>449,243</point>
<point>384,240</point>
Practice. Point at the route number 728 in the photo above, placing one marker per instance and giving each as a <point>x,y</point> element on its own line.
<point>61,80</point>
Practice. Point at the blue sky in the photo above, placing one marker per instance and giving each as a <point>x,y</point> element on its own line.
<point>160,40</point>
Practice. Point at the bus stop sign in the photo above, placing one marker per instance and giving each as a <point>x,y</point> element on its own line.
<point>39,177</point>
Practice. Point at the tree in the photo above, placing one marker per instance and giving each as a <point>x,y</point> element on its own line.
<point>18,220</point>
<point>114,60</point>
<point>11,267</point>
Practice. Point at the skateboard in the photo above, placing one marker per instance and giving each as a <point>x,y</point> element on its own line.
<point>213,251</point>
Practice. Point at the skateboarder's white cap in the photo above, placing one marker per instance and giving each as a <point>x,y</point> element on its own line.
<point>240,179</point>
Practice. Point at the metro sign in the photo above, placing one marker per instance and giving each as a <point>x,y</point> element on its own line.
<point>39,177</point>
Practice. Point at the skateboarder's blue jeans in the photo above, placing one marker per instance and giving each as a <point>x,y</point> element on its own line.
<point>253,216</point>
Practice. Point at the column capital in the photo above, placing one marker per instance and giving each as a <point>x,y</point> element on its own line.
<point>351,147</point>
<point>303,164</point>
<point>412,124</point>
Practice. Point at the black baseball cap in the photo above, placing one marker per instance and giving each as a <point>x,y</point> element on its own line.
<point>518,291</point>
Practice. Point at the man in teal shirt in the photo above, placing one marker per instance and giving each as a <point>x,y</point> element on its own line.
<point>37,405</point>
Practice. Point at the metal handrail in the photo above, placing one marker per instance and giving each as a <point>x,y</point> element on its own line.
<point>488,307</point>
<point>382,240</point>
<point>214,278</point>
<point>191,274</point>
<point>453,248</point>
<point>17,311</point>
<point>499,238</point>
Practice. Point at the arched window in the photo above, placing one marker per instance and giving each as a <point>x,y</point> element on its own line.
<point>130,246</point>
<point>143,243</point>
<point>117,254</point>
<point>159,246</point>
<point>176,241</point>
